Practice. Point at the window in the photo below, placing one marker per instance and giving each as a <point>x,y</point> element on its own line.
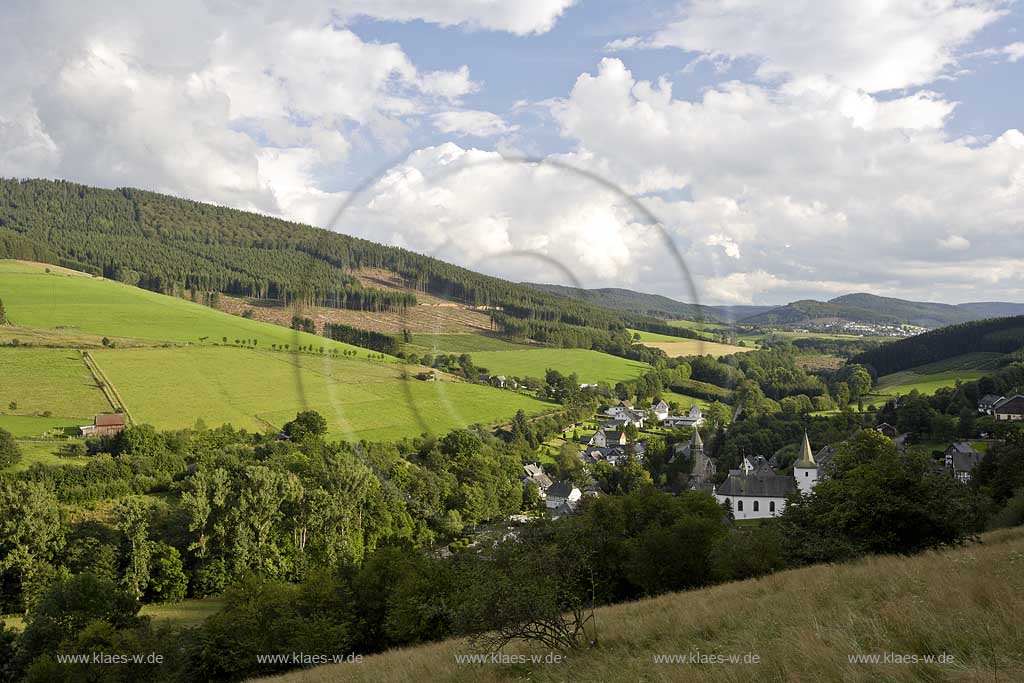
<point>739,506</point>
<point>755,506</point>
<point>806,473</point>
<point>771,506</point>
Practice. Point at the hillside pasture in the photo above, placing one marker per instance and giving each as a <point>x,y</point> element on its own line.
<point>44,453</point>
<point>589,366</point>
<point>460,343</point>
<point>927,379</point>
<point>675,346</point>
<point>965,602</point>
<point>54,381</point>
<point>34,426</point>
<point>70,303</point>
<point>172,388</point>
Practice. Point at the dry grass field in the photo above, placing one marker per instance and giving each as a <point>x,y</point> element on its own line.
<point>804,625</point>
<point>675,346</point>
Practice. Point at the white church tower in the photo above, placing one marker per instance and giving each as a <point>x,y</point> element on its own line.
<point>805,471</point>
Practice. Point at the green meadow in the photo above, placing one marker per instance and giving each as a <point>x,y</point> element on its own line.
<point>460,343</point>
<point>927,379</point>
<point>31,426</point>
<point>43,453</point>
<point>590,366</point>
<point>70,303</point>
<point>48,380</point>
<point>172,388</point>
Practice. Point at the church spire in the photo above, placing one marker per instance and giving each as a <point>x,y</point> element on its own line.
<point>698,443</point>
<point>806,460</point>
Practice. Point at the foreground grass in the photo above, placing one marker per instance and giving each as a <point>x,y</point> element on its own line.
<point>172,388</point>
<point>804,625</point>
<point>590,366</point>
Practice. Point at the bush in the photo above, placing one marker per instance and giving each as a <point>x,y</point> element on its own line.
<point>10,454</point>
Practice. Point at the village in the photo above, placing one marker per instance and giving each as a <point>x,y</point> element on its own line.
<point>757,490</point>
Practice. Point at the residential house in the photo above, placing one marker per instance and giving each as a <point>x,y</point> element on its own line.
<point>961,459</point>
<point>660,410</point>
<point>693,418</point>
<point>1010,409</point>
<point>617,410</point>
<point>534,474</point>
<point>562,493</point>
<point>988,403</point>
<point>886,429</point>
<point>604,438</point>
<point>104,424</point>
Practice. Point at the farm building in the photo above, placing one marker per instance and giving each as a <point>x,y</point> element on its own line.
<point>104,424</point>
<point>987,404</point>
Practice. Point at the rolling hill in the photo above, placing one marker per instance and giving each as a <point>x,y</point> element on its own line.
<point>821,623</point>
<point>868,308</point>
<point>638,302</point>
<point>173,362</point>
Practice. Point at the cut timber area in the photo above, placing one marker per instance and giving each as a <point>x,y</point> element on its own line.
<point>431,314</point>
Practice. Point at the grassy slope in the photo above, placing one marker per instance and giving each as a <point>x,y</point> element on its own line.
<point>933,376</point>
<point>804,625</point>
<point>590,366</point>
<point>172,388</point>
<point>54,380</point>
<point>460,343</point>
<point>23,426</point>
<point>74,303</point>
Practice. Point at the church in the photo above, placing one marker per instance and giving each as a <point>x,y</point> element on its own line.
<point>757,492</point>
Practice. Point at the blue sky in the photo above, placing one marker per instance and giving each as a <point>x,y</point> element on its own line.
<point>807,148</point>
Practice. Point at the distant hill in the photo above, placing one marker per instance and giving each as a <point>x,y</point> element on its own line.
<point>995,335</point>
<point>869,308</point>
<point>618,299</point>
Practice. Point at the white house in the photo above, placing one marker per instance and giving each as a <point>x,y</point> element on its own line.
<point>619,409</point>
<point>608,437</point>
<point>754,492</point>
<point>693,418</point>
<point>562,493</point>
<point>660,410</point>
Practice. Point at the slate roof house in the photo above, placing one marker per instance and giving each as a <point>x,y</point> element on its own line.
<point>1010,409</point>
<point>534,473</point>
<point>104,424</point>
<point>563,494</point>
<point>961,459</point>
<point>987,404</point>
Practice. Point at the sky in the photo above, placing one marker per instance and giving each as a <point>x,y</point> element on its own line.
<point>726,152</point>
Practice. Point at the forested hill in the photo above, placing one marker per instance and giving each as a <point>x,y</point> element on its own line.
<point>999,335</point>
<point>628,300</point>
<point>171,245</point>
<point>868,308</point>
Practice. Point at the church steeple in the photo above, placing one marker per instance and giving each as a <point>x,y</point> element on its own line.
<point>697,444</point>
<point>806,459</point>
<point>805,469</point>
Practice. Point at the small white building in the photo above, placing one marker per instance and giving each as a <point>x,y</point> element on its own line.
<point>563,494</point>
<point>660,410</point>
<point>693,418</point>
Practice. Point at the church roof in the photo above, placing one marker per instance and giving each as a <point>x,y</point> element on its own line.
<point>764,484</point>
<point>806,459</point>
